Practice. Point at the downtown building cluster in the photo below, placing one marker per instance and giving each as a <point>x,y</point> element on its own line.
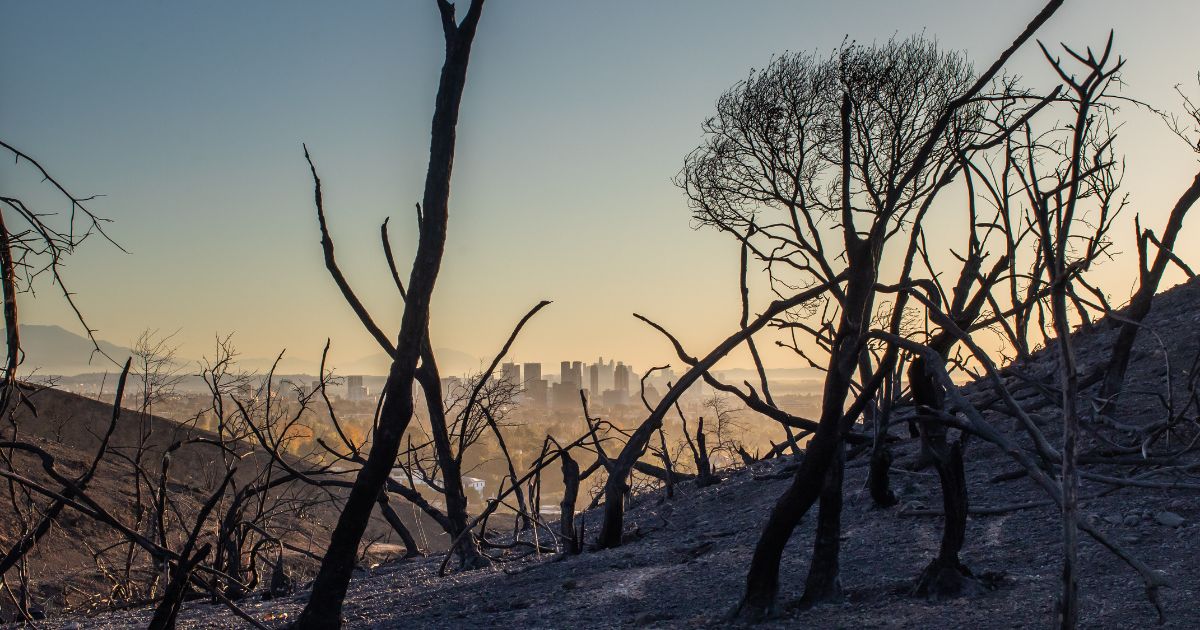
<point>609,384</point>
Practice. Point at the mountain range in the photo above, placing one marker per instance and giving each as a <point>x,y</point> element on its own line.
<point>53,350</point>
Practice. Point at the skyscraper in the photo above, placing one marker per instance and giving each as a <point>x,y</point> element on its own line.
<point>607,380</point>
<point>533,372</point>
<point>511,372</point>
<point>571,375</point>
<point>621,378</point>
<point>577,374</point>
<point>535,386</point>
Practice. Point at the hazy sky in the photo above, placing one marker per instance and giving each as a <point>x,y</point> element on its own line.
<point>189,116</point>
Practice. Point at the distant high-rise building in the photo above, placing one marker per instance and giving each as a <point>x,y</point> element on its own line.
<point>621,378</point>
<point>355,389</point>
<point>533,385</point>
<point>594,379</point>
<point>561,396</point>
<point>571,376</point>
<point>511,372</point>
<point>535,392</point>
<point>607,371</point>
<point>533,372</point>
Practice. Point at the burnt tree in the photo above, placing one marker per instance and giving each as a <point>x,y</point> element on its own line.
<point>847,152</point>
<point>329,589</point>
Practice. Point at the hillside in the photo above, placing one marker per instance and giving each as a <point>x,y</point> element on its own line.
<point>67,577</point>
<point>686,568</point>
<point>55,350</point>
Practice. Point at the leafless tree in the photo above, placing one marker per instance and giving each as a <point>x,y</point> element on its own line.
<point>1151,273</point>
<point>814,165</point>
<point>807,111</point>
<point>33,242</point>
<point>1056,213</point>
<point>329,589</point>
<point>36,242</point>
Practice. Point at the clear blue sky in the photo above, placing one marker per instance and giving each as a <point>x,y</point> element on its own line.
<point>189,118</point>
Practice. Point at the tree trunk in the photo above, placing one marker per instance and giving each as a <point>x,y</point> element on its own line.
<point>945,577</point>
<point>822,584</point>
<point>570,471</point>
<point>878,475</point>
<point>878,478</point>
<point>456,498</point>
<point>762,579</point>
<point>324,606</point>
<point>1069,601</point>
<point>705,476</point>
<point>168,608</point>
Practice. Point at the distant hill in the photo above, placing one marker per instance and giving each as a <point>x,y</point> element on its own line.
<point>56,350</point>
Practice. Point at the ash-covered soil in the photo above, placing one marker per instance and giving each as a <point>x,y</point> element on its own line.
<point>687,566</point>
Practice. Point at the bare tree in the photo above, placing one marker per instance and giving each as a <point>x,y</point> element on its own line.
<point>329,589</point>
<point>33,242</point>
<point>1055,211</point>
<point>1151,273</point>
<point>824,145</point>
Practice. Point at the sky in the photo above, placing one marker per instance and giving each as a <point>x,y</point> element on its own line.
<point>189,119</point>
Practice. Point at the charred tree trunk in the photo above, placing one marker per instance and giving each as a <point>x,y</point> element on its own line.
<point>570,471</point>
<point>669,478</point>
<point>762,579</point>
<point>878,478</point>
<point>823,584</point>
<point>705,476</point>
<point>945,577</point>
<point>329,588</point>
<point>456,498</point>
<point>168,608</point>
<point>281,585</point>
<point>11,326</point>
<point>878,475</point>
<point>233,565</point>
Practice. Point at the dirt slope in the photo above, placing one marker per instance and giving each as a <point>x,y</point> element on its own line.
<point>65,577</point>
<point>688,567</point>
